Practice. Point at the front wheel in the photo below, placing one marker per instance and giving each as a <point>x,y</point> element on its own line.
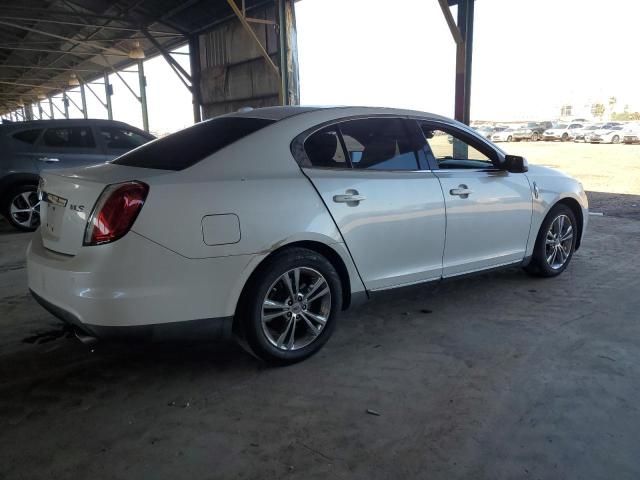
<point>615,139</point>
<point>21,207</point>
<point>555,243</point>
<point>509,138</point>
<point>290,308</point>
<point>535,137</point>
<point>565,137</point>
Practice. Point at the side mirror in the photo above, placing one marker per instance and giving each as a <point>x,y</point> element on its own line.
<point>515,164</point>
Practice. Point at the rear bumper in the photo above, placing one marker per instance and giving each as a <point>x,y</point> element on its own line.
<point>135,287</point>
<point>206,328</point>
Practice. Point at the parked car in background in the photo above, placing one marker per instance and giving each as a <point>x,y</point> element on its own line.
<point>612,134</point>
<point>28,149</point>
<point>505,135</point>
<point>561,131</point>
<point>631,134</point>
<point>531,131</point>
<point>605,127</point>
<point>485,130</point>
<point>578,134</point>
<point>269,223</point>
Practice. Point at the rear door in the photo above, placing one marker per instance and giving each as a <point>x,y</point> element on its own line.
<point>488,210</point>
<point>68,146</point>
<point>388,207</point>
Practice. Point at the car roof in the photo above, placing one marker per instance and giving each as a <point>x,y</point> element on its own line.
<point>283,112</point>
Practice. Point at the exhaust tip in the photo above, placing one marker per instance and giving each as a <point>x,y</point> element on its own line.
<point>84,338</point>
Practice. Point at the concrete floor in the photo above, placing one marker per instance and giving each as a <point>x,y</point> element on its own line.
<point>495,377</point>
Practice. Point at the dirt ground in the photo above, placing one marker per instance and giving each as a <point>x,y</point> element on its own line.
<point>500,376</point>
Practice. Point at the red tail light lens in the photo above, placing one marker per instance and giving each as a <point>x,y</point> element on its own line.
<point>115,211</point>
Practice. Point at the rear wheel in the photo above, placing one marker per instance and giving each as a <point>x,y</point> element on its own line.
<point>21,207</point>
<point>535,137</point>
<point>555,243</point>
<point>289,309</point>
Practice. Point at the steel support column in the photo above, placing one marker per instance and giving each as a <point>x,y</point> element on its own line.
<point>108,91</point>
<point>83,97</point>
<point>51,108</point>
<point>40,111</point>
<point>282,51</point>
<point>194,59</point>
<point>464,61</point>
<point>143,96</point>
<point>65,102</point>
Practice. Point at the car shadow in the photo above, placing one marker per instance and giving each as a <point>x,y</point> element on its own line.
<point>615,204</point>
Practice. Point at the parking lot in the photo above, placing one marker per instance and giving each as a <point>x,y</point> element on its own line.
<point>497,376</point>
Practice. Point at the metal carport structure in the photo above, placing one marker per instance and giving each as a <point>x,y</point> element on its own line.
<point>238,51</point>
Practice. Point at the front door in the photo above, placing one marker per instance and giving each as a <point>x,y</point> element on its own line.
<point>488,210</point>
<point>389,211</point>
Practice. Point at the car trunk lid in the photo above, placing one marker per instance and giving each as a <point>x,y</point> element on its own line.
<point>68,197</point>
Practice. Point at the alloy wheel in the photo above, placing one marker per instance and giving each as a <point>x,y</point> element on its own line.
<point>296,308</point>
<point>559,242</point>
<point>25,209</point>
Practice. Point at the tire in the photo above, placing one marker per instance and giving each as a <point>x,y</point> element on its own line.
<point>615,139</point>
<point>268,338</point>
<point>21,208</point>
<point>543,264</point>
<point>565,137</point>
<point>535,137</point>
<point>509,138</point>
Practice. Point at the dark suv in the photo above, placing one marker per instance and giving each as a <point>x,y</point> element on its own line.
<point>532,131</point>
<point>27,148</point>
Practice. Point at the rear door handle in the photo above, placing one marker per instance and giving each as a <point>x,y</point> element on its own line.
<point>350,197</point>
<point>48,159</point>
<point>462,191</point>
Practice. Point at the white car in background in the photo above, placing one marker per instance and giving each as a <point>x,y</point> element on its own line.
<point>579,134</point>
<point>269,223</point>
<point>611,134</point>
<point>631,134</point>
<point>562,132</point>
<point>505,135</point>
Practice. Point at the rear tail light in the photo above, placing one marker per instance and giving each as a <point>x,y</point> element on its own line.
<point>115,211</point>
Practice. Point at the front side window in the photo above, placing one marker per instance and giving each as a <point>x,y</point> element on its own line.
<point>451,150</point>
<point>379,144</point>
<point>28,136</point>
<point>69,137</point>
<point>117,138</point>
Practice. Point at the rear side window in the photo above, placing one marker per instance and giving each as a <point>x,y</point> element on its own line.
<point>117,138</point>
<point>379,144</point>
<point>28,136</point>
<point>69,137</point>
<point>187,147</point>
<point>324,149</point>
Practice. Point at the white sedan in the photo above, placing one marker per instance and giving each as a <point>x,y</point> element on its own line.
<point>562,131</point>
<point>505,135</point>
<point>268,223</point>
<point>612,134</point>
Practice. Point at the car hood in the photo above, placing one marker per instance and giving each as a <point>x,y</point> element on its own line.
<point>606,131</point>
<point>546,171</point>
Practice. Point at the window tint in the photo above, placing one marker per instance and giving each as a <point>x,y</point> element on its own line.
<point>69,137</point>
<point>28,136</point>
<point>451,151</point>
<point>324,149</point>
<point>187,147</point>
<point>379,144</point>
<point>122,138</point>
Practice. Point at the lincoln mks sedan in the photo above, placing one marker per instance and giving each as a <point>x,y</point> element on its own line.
<point>266,224</point>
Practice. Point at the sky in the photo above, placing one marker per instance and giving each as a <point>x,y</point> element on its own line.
<point>530,57</point>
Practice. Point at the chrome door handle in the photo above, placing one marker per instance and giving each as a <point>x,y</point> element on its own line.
<point>350,197</point>
<point>462,191</point>
<point>48,159</point>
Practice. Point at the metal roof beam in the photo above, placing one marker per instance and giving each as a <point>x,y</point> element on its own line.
<point>79,24</point>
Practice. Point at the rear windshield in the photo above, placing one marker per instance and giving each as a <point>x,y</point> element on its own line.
<point>187,147</point>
